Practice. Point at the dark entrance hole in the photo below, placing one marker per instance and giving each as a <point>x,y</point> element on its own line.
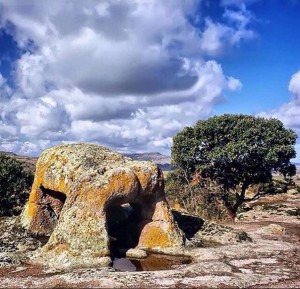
<point>123,228</point>
<point>53,202</point>
<point>124,225</point>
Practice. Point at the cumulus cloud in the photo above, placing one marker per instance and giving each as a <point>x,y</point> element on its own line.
<point>289,113</point>
<point>294,87</point>
<point>127,74</point>
<point>5,90</point>
<point>217,36</point>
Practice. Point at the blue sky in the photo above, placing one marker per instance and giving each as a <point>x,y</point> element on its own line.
<point>131,74</point>
<point>266,64</point>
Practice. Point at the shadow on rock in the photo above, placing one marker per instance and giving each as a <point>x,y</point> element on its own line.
<point>202,233</point>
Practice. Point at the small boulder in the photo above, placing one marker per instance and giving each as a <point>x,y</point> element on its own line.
<point>136,253</point>
<point>201,233</point>
<point>212,233</point>
<point>272,229</point>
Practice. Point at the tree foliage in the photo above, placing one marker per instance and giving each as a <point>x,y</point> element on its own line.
<point>15,183</point>
<point>235,151</point>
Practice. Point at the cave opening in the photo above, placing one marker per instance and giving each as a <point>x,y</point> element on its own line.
<point>53,202</point>
<point>123,227</point>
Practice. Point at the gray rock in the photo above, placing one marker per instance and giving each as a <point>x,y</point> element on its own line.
<point>136,253</point>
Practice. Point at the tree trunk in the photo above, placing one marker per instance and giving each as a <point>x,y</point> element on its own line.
<point>230,209</point>
<point>231,214</point>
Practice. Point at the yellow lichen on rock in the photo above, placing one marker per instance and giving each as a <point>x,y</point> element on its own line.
<point>75,187</point>
<point>154,235</point>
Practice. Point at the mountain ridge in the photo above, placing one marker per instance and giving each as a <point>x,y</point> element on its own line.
<point>163,161</point>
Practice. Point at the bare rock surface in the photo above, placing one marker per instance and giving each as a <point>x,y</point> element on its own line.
<point>80,194</point>
<point>271,260</point>
<point>242,265</point>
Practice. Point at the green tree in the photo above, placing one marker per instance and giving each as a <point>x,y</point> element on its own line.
<point>235,151</point>
<point>15,183</point>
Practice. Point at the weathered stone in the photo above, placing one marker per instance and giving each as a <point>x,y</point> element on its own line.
<point>293,191</point>
<point>16,245</point>
<point>85,195</point>
<point>201,233</point>
<point>272,229</point>
<point>136,253</point>
<point>212,233</point>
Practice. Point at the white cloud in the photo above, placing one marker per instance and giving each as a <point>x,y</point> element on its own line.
<point>294,87</point>
<point>128,74</point>
<point>214,36</point>
<point>289,113</point>
<point>5,90</point>
<point>218,36</point>
<point>241,17</point>
<point>30,75</point>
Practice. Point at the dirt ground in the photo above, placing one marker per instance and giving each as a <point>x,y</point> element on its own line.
<point>272,260</point>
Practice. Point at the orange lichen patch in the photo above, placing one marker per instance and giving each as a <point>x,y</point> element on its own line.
<point>102,253</point>
<point>121,183</point>
<point>35,196</point>
<point>61,185</point>
<point>154,235</point>
<point>32,210</point>
<point>162,212</point>
<point>57,248</point>
<point>176,206</point>
<point>149,179</point>
<point>144,181</point>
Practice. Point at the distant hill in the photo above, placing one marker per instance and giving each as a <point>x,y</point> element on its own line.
<point>11,154</point>
<point>28,162</point>
<point>163,161</point>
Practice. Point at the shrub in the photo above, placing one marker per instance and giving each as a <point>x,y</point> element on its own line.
<point>199,198</point>
<point>15,183</point>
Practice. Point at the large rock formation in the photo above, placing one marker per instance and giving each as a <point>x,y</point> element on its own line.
<point>88,198</point>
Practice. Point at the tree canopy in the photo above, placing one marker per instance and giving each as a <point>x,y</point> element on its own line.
<point>236,151</point>
<point>15,183</point>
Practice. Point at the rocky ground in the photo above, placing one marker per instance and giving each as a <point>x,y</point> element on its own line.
<point>271,260</point>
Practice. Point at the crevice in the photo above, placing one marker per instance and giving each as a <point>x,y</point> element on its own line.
<point>53,202</point>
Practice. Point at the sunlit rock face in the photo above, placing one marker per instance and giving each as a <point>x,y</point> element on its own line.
<point>90,199</point>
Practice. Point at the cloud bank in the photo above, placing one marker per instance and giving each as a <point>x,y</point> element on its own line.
<point>126,74</point>
<point>289,113</point>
